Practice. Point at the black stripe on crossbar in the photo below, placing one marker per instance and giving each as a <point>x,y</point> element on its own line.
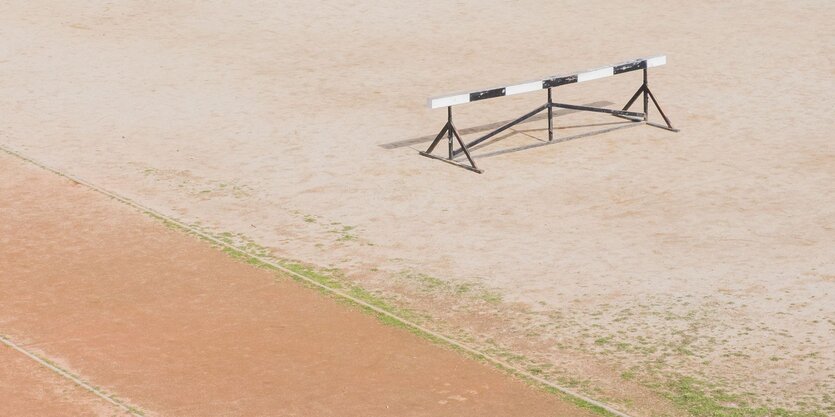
<point>557,81</point>
<point>481,95</point>
<point>629,66</point>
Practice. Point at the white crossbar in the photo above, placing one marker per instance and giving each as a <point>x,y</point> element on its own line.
<point>577,77</point>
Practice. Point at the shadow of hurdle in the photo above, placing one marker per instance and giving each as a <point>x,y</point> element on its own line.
<point>540,143</point>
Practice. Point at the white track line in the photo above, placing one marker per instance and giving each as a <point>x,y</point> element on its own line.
<point>459,345</point>
<point>99,393</point>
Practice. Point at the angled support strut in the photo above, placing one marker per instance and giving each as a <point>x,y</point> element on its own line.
<point>450,130</point>
<point>647,95</point>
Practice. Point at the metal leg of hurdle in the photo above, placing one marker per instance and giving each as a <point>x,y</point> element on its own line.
<point>550,117</point>
<point>450,130</point>
<point>647,95</point>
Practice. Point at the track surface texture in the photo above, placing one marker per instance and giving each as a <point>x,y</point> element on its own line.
<point>175,327</point>
<point>30,389</point>
<point>680,274</point>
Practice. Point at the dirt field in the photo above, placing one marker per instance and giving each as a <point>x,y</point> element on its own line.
<point>173,327</point>
<point>644,267</point>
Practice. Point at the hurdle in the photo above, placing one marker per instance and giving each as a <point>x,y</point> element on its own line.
<point>547,83</point>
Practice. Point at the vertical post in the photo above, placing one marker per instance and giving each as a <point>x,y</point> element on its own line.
<point>550,117</point>
<point>449,131</point>
<point>646,96</point>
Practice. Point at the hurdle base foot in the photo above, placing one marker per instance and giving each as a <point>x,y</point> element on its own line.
<point>452,162</point>
<point>631,119</point>
<point>670,128</point>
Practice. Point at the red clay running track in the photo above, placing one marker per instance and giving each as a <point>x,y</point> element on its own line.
<point>174,327</point>
<point>27,388</point>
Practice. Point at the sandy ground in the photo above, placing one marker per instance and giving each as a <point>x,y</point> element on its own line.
<point>707,253</point>
<point>177,328</point>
